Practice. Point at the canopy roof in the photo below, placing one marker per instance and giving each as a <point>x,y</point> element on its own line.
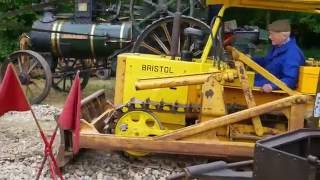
<point>312,6</point>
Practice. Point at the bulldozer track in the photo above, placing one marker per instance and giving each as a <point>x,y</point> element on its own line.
<point>147,106</point>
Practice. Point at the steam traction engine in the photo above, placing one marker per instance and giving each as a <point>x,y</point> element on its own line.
<point>87,40</point>
<point>62,44</point>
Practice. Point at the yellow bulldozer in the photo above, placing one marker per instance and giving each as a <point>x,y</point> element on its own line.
<point>203,107</point>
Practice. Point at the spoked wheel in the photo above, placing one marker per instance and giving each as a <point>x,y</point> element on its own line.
<point>144,12</point>
<point>114,10</point>
<point>156,38</point>
<point>33,72</point>
<point>65,72</point>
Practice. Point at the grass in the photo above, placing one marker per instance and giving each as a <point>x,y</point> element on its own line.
<point>57,98</point>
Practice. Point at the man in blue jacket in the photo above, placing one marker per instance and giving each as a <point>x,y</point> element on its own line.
<point>284,58</point>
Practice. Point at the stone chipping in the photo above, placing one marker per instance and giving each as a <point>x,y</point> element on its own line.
<point>21,151</point>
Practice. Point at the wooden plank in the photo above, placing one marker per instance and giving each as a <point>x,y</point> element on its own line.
<point>209,148</point>
<point>98,122</point>
<point>87,127</point>
<point>296,120</point>
<point>235,117</point>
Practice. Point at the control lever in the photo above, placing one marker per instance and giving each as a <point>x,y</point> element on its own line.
<point>176,31</point>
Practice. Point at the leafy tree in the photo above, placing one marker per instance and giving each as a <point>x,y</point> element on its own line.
<point>305,26</point>
<point>15,18</point>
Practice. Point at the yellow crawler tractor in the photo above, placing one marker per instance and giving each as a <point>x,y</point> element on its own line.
<point>198,107</point>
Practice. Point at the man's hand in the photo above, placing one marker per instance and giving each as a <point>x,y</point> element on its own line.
<point>267,88</point>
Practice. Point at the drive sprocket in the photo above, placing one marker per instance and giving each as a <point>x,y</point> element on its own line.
<point>138,124</point>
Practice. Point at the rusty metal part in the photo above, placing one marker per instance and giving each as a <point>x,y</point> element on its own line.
<point>96,107</point>
<point>65,153</point>
<point>135,104</point>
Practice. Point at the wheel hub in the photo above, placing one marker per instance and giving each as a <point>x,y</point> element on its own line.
<point>163,8</point>
<point>24,78</point>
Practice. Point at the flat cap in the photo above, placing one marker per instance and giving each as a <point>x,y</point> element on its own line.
<point>282,25</point>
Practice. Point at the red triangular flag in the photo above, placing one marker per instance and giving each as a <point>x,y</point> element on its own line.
<point>12,97</point>
<point>70,117</point>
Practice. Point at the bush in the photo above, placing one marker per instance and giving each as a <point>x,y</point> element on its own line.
<point>16,17</point>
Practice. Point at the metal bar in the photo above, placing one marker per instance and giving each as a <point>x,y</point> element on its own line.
<point>235,117</point>
<point>176,31</point>
<point>174,81</point>
<point>92,96</point>
<point>249,96</point>
<point>310,6</point>
<point>214,30</point>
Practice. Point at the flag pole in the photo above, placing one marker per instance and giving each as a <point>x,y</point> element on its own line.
<point>48,149</point>
<point>48,146</point>
<point>35,119</point>
<point>11,86</point>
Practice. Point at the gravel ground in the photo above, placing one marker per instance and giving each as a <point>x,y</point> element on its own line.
<point>21,152</point>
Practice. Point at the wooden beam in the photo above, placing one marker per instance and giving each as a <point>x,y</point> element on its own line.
<point>209,148</point>
<point>297,117</point>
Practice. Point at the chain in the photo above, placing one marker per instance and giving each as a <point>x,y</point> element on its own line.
<point>147,106</point>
